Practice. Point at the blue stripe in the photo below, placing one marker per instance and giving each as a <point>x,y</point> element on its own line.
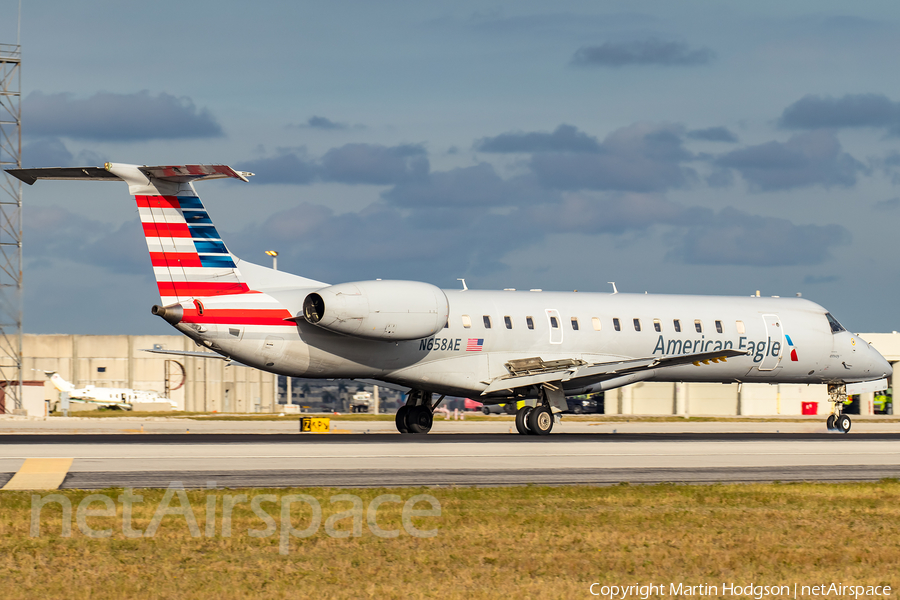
<point>210,247</point>
<point>790,343</point>
<point>204,232</point>
<point>216,261</point>
<point>190,202</point>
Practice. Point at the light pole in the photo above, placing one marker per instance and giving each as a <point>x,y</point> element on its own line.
<point>274,256</point>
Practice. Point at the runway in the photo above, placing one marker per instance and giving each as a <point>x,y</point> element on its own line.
<point>466,459</point>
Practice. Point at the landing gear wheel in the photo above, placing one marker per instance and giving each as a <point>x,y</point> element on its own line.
<point>419,419</point>
<point>400,419</point>
<point>540,421</point>
<point>829,423</point>
<point>522,419</point>
<point>842,423</point>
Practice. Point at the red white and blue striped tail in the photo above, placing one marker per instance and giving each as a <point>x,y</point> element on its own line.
<point>189,258</point>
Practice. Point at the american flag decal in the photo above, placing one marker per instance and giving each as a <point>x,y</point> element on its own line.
<point>475,345</point>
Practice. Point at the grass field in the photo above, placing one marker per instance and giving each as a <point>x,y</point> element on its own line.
<point>522,542</point>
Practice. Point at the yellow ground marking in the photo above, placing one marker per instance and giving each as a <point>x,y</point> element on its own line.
<point>40,474</point>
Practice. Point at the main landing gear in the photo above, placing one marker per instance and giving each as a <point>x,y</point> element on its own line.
<point>837,421</point>
<point>417,415</point>
<point>538,420</point>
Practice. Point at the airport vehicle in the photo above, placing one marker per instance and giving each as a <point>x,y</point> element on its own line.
<point>104,396</point>
<point>498,346</point>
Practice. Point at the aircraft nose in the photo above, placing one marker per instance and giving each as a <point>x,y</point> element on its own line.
<point>878,364</point>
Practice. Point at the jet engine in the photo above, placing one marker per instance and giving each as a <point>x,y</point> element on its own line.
<point>381,310</point>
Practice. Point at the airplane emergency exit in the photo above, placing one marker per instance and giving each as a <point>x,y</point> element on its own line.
<point>497,346</point>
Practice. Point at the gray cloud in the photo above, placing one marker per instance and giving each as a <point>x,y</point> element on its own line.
<point>646,52</point>
<point>639,158</point>
<point>852,110</point>
<point>890,204</point>
<point>351,164</point>
<point>52,152</point>
<point>734,237</point>
<point>479,185</point>
<point>374,164</point>
<point>324,123</point>
<point>566,138</point>
<point>813,158</point>
<point>117,117</point>
<point>713,134</point>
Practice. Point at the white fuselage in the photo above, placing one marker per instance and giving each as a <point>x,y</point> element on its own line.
<point>787,340</point>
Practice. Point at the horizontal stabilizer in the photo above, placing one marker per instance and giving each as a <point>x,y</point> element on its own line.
<point>196,354</point>
<point>176,174</point>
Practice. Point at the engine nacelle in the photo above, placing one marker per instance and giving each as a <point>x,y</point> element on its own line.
<point>381,310</point>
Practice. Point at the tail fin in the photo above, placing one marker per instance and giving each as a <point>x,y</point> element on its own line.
<point>189,258</point>
<point>58,382</point>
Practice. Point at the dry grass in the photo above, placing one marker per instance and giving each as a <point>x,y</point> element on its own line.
<point>492,542</point>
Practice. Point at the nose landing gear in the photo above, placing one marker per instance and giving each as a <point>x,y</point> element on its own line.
<point>837,393</point>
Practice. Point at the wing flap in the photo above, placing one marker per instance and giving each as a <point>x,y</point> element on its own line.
<point>578,371</point>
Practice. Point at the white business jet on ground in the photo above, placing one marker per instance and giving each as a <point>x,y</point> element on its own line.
<point>498,346</point>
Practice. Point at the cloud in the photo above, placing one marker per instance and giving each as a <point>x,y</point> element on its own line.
<point>323,123</point>
<point>639,158</point>
<point>817,279</point>
<point>712,134</point>
<point>374,164</point>
<point>890,204</point>
<point>852,110</point>
<point>351,164</point>
<point>646,52</point>
<point>478,185</point>
<point>807,159</point>
<point>117,117</point>
<point>566,138</point>
<point>55,233</point>
<point>734,237</point>
<point>47,152</point>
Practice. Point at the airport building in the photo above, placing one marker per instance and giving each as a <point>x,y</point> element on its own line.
<point>209,384</point>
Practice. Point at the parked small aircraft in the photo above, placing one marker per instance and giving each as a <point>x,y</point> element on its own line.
<point>498,346</point>
<point>104,396</point>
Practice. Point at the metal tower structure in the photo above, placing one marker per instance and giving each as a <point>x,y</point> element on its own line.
<point>10,228</point>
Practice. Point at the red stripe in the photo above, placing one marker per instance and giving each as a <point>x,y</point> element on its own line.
<point>199,289</point>
<point>247,320</point>
<point>157,202</point>
<point>170,230</point>
<point>175,259</point>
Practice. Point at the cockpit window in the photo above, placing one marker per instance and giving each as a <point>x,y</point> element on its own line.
<point>835,326</point>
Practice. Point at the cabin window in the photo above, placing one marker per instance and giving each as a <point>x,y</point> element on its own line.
<point>595,321</point>
<point>508,321</point>
<point>616,325</point>
<point>657,326</point>
<point>487,322</point>
<point>677,324</point>
<point>637,324</point>
<point>740,327</point>
<point>698,325</point>
<point>554,323</point>
<point>529,322</point>
<point>575,323</point>
<point>718,326</point>
<point>466,321</point>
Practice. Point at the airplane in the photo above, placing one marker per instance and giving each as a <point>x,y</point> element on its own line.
<point>498,346</point>
<point>104,396</point>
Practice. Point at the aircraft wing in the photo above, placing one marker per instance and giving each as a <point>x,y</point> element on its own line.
<point>533,371</point>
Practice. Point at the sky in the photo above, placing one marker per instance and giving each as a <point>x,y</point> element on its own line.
<point>687,147</point>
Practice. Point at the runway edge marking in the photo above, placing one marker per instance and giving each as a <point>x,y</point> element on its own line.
<point>40,474</point>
